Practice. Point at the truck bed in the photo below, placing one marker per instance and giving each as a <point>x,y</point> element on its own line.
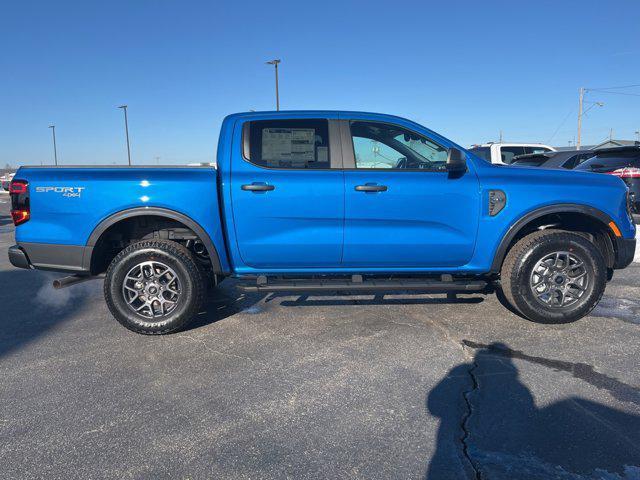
<point>68,204</point>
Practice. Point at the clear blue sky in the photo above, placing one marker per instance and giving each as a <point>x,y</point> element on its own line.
<point>464,69</point>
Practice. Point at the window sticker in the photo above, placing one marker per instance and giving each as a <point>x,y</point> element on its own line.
<point>288,144</point>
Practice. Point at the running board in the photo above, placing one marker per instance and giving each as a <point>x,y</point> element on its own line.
<point>70,280</point>
<point>357,283</point>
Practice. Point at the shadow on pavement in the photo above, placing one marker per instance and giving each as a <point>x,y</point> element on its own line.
<point>222,302</point>
<point>502,434</point>
<point>30,307</point>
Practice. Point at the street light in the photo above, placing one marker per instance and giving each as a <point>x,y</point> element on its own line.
<point>275,63</point>
<point>55,149</point>
<point>126,129</point>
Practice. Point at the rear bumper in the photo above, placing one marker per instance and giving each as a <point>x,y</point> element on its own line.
<point>625,251</point>
<point>44,256</point>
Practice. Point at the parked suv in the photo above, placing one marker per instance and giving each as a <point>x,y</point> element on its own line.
<point>317,201</point>
<point>623,162</point>
<point>503,153</point>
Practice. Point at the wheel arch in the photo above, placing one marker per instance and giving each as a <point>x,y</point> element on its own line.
<point>169,214</point>
<point>591,216</point>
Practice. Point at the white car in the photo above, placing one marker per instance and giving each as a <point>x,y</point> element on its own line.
<point>5,180</point>
<point>503,153</point>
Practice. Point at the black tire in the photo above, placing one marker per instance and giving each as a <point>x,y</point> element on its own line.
<point>185,302</point>
<point>545,303</point>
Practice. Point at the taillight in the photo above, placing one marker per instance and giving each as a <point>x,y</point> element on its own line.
<point>20,209</point>
<point>18,187</point>
<point>626,172</point>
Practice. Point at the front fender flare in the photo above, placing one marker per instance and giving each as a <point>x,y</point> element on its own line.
<point>515,228</point>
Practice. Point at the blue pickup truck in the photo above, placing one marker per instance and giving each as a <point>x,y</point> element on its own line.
<point>309,201</point>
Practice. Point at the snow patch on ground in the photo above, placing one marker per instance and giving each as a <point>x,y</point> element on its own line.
<point>637,256</point>
<point>623,309</point>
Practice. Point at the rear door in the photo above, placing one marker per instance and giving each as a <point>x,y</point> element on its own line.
<point>402,208</point>
<point>288,193</point>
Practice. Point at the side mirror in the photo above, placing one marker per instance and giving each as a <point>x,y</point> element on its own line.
<point>456,161</point>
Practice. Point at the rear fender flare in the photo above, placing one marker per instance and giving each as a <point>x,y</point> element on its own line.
<point>156,212</point>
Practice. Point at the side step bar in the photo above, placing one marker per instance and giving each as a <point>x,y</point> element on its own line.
<point>357,283</point>
<point>70,280</point>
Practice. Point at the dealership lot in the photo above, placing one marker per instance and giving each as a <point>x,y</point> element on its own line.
<point>331,386</point>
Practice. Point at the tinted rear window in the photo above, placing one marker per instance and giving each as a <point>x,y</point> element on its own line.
<point>610,162</point>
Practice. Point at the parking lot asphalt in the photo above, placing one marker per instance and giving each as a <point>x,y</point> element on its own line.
<point>330,386</point>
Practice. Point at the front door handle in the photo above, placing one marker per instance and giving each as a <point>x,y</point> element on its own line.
<point>371,188</point>
<point>258,187</point>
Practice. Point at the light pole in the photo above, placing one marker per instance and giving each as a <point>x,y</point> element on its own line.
<point>581,112</point>
<point>126,129</point>
<point>55,149</point>
<point>275,63</point>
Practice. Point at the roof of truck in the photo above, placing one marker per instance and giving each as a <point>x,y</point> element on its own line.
<point>314,113</point>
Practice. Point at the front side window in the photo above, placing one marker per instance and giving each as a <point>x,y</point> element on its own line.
<point>382,145</point>
<point>289,143</point>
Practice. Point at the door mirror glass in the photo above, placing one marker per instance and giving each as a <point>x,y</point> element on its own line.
<point>456,161</point>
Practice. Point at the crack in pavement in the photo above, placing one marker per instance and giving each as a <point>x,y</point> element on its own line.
<point>464,424</point>
<point>582,371</point>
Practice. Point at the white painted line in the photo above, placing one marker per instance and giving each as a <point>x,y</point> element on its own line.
<point>637,256</point>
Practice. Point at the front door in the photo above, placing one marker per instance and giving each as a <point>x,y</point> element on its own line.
<point>288,203</point>
<point>402,208</point>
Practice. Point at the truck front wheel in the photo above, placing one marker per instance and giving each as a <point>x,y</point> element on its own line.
<point>154,287</point>
<point>553,276</point>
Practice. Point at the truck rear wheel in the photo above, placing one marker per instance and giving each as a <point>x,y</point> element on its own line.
<point>154,287</point>
<point>553,276</point>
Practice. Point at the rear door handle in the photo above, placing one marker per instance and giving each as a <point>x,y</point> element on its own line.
<point>258,187</point>
<point>371,188</point>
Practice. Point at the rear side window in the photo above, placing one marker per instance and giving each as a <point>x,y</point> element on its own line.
<point>292,144</point>
<point>482,152</point>
<point>507,153</point>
